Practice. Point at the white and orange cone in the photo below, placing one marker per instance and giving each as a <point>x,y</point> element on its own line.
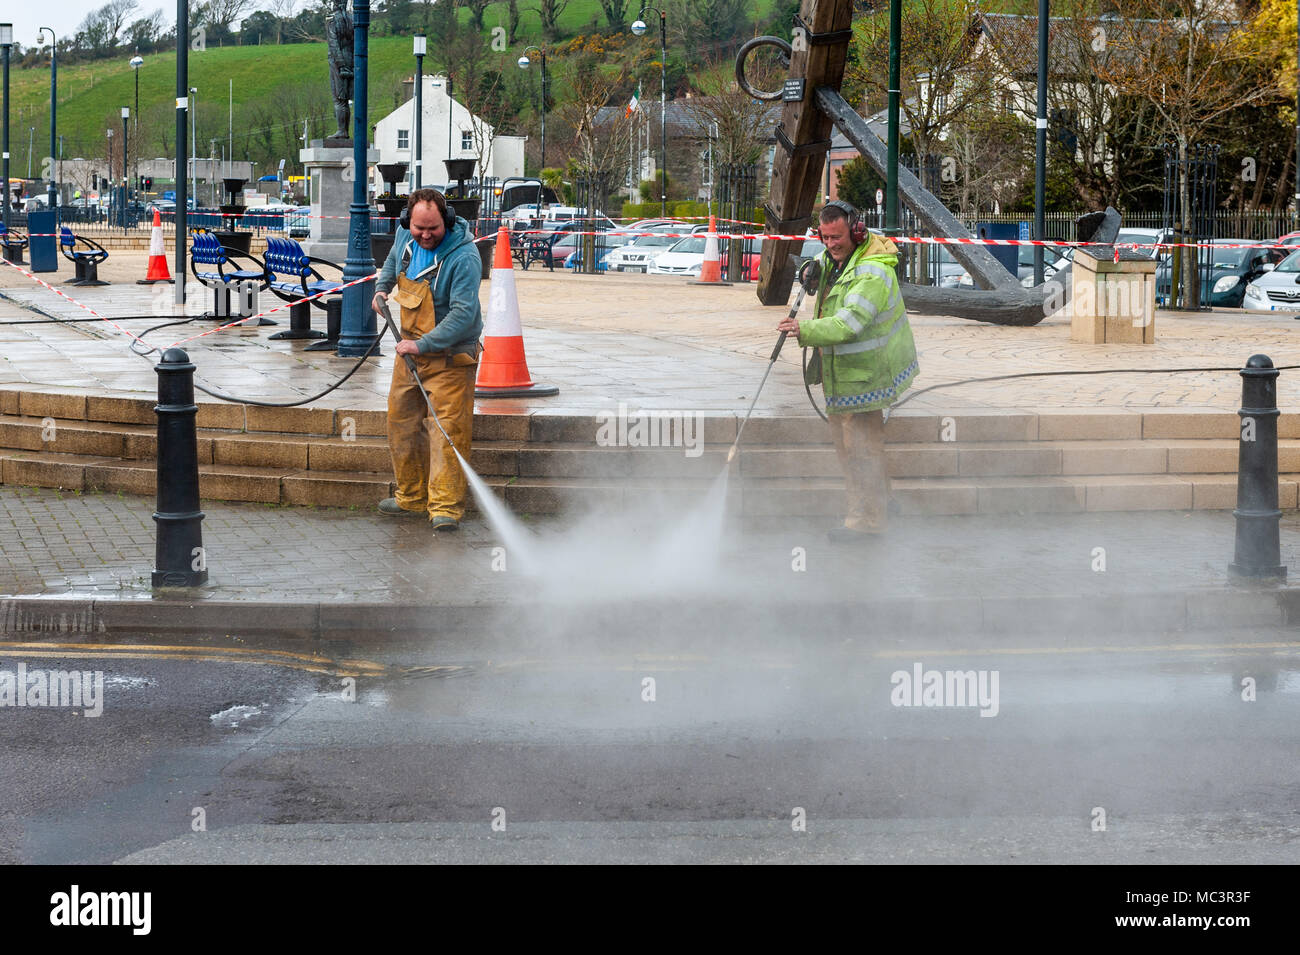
<point>503,369</point>
<point>157,255</point>
<point>711,270</point>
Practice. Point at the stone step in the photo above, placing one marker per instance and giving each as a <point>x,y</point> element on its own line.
<point>768,496</point>
<point>904,426</point>
<point>366,453</point>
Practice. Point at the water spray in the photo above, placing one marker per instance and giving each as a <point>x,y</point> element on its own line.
<point>808,278</point>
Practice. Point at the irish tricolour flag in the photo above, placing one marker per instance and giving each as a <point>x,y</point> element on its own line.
<point>635,102</point>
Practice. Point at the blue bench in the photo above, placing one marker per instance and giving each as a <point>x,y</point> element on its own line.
<point>291,275</point>
<point>219,275</point>
<point>85,256</point>
<point>13,245</point>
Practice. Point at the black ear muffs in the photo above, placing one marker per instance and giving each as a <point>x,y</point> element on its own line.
<point>448,213</point>
<point>857,227</point>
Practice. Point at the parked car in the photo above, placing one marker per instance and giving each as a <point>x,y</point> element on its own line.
<point>1276,288</point>
<point>686,257</point>
<point>1224,283</point>
<point>1052,261</point>
<point>1148,239</point>
<point>637,255</point>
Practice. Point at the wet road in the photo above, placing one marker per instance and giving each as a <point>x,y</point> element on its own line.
<point>1150,752</point>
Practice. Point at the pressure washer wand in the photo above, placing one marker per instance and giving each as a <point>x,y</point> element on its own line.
<point>776,352</point>
<point>410,364</point>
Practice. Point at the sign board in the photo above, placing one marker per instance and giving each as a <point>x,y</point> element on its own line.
<point>792,91</point>
<point>1024,232</point>
<point>880,198</point>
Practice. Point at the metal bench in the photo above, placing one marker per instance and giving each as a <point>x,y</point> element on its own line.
<point>206,250</point>
<point>291,275</point>
<point>13,244</point>
<point>84,254</point>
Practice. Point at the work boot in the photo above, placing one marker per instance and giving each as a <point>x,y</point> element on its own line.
<point>390,507</point>
<point>443,524</point>
<point>847,535</point>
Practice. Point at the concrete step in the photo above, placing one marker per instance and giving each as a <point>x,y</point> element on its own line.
<point>513,458</point>
<point>765,496</point>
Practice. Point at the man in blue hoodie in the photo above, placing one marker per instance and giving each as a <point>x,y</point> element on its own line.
<point>433,273</point>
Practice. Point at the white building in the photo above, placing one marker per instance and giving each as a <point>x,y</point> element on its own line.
<point>470,138</point>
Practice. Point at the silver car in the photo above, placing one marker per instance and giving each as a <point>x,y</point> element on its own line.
<point>1277,289</point>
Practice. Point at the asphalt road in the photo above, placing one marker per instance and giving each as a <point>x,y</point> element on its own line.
<point>774,754</point>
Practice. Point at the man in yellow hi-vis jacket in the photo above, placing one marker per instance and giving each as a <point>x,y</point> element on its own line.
<point>868,358</point>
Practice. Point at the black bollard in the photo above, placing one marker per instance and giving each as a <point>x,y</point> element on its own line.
<point>179,557</point>
<point>1258,553</point>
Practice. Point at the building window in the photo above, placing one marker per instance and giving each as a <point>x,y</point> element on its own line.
<point>466,140</point>
<point>403,139</point>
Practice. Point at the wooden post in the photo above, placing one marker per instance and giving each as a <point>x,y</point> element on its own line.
<point>803,138</point>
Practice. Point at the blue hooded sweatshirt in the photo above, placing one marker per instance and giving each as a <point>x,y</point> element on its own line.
<point>456,272</point>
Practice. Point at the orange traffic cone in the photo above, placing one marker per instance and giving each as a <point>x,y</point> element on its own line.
<point>157,256</point>
<point>711,270</point>
<point>503,370</point>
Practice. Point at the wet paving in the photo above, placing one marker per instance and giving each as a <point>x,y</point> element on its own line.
<point>1153,752</point>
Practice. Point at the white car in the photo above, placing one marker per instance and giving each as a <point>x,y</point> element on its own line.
<point>1277,290</point>
<point>640,253</point>
<point>684,257</point>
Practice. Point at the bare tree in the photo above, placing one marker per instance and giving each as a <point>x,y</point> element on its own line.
<point>476,10</point>
<point>615,13</point>
<point>222,13</point>
<point>942,81</point>
<point>283,10</point>
<point>549,11</point>
<point>597,147</point>
<point>741,121</point>
<point>1192,69</point>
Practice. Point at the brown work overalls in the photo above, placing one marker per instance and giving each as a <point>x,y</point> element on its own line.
<point>428,475</point>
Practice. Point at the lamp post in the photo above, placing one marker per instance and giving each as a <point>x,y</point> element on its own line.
<point>358,323</point>
<point>419,107</point>
<point>54,87</point>
<point>126,161</point>
<point>524,63</point>
<point>194,149</point>
<point>639,28</point>
<point>136,62</point>
<point>6,43</point>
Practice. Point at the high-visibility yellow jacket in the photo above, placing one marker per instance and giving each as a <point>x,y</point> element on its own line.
<point>861,327</point>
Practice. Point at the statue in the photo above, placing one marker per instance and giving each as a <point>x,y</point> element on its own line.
<point>338,36</point>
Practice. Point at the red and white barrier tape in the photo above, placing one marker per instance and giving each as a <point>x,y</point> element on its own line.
<point>64,295</point>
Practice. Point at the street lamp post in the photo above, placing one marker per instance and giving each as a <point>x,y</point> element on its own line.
<point>6,43</point>
<point>54,132</point>
<point>194,149</point>
<point>639,28</point>
<point>524,63</point>
<point>136,62</point>
<point>358,333</point>
<point>419,107</point>
<point>126,162</point>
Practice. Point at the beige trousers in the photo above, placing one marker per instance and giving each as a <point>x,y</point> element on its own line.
<point>860,445</point>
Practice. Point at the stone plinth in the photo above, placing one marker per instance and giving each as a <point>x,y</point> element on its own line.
<point>329,183</point>
<point>1113,301</point>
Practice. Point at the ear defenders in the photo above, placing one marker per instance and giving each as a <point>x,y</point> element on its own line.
<point>421,195</point>
<point>857,227</point>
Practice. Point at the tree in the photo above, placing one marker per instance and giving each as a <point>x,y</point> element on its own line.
<point>222,13</point>
<point>597,147</point>
<point>706,26</point>
<point>512,21</point>
<point>1192,69</point>
<point>476,10</point>
<point>858,182</point>
<point>549,11</point>
<point>615,14</point>
<point>943,83</point>
<point>146,32</point>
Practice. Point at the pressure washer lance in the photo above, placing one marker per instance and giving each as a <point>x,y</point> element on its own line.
<point>410,364</point>
<point>804,284</point>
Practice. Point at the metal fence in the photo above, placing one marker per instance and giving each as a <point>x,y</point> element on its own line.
<point>592,188</point>
<point>736,201</point>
